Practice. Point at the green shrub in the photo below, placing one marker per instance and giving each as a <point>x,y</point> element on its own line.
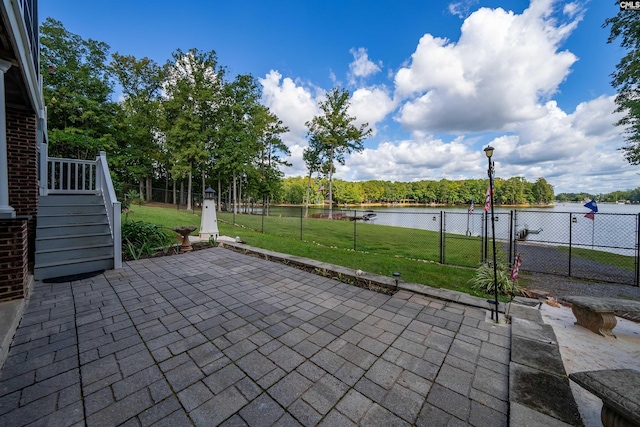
<point>140,238</point>
<point>483,280</point>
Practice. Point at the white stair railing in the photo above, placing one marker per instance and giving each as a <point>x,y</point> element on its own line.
<point>105,185</point>
<point>72,176</point>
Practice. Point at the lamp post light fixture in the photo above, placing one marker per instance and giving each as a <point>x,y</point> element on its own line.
<point>209,194</point>
<point>490,171</point>
<point>396,276</point>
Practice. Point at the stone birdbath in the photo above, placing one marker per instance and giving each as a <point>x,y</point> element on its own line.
<point>184,231</point>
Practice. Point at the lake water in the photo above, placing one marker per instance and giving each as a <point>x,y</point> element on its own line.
<point>613,229</point>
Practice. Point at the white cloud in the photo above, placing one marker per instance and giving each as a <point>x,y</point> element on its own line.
<point>422,157</point>
<point>497,73</point>
<point>370,105</point>
<point>574,152</point>
<point>293,104</point>
<point>461,9</point>
<point>362,66</point>
<point>297,168</point>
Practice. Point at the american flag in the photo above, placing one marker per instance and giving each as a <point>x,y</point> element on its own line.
<point>471,207</point>
<point>487,203</point>
<point>321,188</point>
<point>516,268</point>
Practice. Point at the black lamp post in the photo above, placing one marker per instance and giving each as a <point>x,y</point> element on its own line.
<point>489,152</point>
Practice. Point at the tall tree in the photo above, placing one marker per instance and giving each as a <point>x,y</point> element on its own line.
<point>141,82</point>
<point>77,89</point>
<point>336,133</point>
<point>312,156</point>
<point>193,89</point>
<point>267,128</point>
<point>626,79</point>
<point>237,144</point>
<point>542,191</point>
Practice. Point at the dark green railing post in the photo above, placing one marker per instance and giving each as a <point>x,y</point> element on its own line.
<point>301,213</point>
<point>263,210</point>
<point>441,237</point>
<point>511,238</point>
<point>486,236</point>
<point>481,240</point>
<point>637,278</point>
<point>570,240</point>
<point>354,228</point>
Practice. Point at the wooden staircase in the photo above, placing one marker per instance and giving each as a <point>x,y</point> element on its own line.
<point>72,236</point>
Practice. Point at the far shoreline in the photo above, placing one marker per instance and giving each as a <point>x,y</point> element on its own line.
<point>401,205</point>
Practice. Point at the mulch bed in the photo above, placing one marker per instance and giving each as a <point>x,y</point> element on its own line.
<point>173,250</point>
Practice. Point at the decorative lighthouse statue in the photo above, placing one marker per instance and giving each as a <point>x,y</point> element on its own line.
<point>209,222</point>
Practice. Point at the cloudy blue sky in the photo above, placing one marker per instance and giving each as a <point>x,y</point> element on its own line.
<point>436,80</point>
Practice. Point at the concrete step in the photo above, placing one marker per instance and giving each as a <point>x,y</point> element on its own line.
<point>71,267</point>
<point>62,253</point>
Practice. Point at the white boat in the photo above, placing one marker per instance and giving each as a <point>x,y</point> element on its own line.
<point>369,216</point>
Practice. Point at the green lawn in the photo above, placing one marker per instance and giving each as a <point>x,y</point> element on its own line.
<point>365,237</point>
<point>165,217</point>
<point>379,249</point>
<point>602,257</point>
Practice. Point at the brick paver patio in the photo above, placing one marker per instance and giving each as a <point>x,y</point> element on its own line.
<point>216,337</point>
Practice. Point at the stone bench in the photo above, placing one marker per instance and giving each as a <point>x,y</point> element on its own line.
<point>597,314</point>
<point>619,390</point>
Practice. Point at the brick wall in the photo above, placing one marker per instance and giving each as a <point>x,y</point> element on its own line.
<point>13,259</point>
<point>22,159</point>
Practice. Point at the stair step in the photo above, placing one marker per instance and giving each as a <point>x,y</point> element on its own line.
<point>73,261</point>
<point>64,254</point>
<point>72,230</point>
<point>71,219</point>
<point>78,208</point>
<point>73,236</point>
<point>56,242</point>
<point>70,199</point>
<point>59,269</point>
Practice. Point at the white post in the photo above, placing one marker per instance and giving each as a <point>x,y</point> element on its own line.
<point>43,171</point>
<point>117,235</point>
<point>6,211</point>
<point>99,176</point>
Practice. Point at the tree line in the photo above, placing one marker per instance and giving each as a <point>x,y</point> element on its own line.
<point>614,196</point>
<point>512,191</point>
<point>183,122</point>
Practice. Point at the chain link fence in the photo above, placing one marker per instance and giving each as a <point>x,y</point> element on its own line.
<point>604,248</point>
